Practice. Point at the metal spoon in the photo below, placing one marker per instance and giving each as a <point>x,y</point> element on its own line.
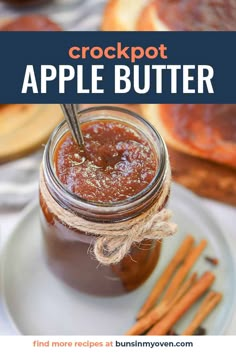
<point>70,114</point>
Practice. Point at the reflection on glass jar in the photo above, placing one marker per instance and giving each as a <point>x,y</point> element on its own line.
<point>119,175</point>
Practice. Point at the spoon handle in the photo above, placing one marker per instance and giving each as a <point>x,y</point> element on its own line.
<point>70,114</point>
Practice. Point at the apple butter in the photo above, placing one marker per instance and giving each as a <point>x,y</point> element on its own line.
<point>118,174</point>
<point>209,130</point>
<point>115,163</point>
<point>197,15</point>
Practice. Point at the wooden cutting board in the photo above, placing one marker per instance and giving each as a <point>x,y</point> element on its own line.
<point>205,178</point>
<point>24,128</point>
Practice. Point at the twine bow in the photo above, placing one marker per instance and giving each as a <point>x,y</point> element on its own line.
<point>111,250</point>
<point>114,240</point>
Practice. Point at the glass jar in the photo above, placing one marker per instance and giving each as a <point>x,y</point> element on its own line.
<point>67,249</point>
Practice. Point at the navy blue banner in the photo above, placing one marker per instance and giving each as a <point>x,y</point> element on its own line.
<point>118,67</point>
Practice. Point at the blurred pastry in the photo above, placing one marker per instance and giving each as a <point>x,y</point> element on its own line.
<point>191,15</point>
<point>32,22</point>
<point>170,15</point>
<point>203,130</point>
<point>24,2</point>
<point>122,15</point>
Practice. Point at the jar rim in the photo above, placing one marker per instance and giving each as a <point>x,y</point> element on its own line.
<point>103,206</point>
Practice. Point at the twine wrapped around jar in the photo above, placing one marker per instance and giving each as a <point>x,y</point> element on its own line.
<point>114,240</point>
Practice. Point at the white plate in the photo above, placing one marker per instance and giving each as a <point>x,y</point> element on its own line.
<point>37,303</point>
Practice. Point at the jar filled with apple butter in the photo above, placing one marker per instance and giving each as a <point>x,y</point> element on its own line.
<point>103,203</point>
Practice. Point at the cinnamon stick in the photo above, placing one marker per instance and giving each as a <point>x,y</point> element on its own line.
<point>166,275</point>
<point>206,307</point>
<point>167,322</point>
<point>184,270</point>
<point>182,290</point>
<point>160,310</point>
